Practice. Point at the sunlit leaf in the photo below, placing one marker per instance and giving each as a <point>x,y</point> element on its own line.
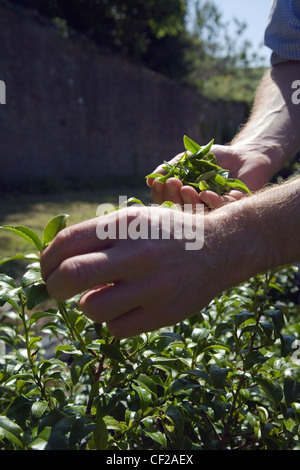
<point>29,257</point>
<point>11,431</point>
<point>53,227</point>
<point>190,145</point>
<point>37,293</point>
<point>25,233</point>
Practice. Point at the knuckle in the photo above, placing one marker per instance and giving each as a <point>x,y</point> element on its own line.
<point>63,237</point>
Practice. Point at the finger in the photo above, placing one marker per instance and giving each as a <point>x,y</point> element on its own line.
<point>172,190</point>
<point>77,239</point>
<point>157,192</point>
<point>135,322</point>
<point>109,302</point>
<point>141,320</point>
<point>236,195</point>
<point>213,200</point>
<point>80,273</point>
<point>160,169</point>
<point>190,196</point>
<point>169,191</point>
<point>83,238</point>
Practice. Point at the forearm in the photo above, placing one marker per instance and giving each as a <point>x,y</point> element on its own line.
<point>273,127</point>
<point>259,232</point>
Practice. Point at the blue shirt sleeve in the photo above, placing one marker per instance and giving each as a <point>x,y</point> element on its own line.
<point>282,33</point>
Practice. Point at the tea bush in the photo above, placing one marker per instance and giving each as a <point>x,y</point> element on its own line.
<point>227,378</point>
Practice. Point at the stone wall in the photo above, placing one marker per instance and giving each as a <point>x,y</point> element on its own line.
<point>75,112</point>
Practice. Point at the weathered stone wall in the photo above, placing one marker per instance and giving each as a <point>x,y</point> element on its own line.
<point>74,112</point>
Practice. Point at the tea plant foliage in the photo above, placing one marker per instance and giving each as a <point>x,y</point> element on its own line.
<point>227,378</point>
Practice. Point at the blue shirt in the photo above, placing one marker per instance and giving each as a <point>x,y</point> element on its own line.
<point>282,33</point>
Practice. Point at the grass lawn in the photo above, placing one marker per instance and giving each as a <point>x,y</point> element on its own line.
<point>34,211</point>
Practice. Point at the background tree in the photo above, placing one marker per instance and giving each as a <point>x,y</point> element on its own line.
<point>223,65</point>
<point>186,40</point>
<point>152,33</point>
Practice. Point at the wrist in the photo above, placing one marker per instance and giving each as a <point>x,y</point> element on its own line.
<point>267,152</point>
<point>272,126</point>
<point>238,249</point>
<point>258,233</point>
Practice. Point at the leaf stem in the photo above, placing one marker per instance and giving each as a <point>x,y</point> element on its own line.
<point>31,355</point>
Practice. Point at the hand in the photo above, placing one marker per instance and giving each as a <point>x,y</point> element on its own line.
<point>251,167</point>
<point>134,285</point>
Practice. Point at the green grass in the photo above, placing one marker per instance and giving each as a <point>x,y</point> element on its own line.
<point>34,211</point>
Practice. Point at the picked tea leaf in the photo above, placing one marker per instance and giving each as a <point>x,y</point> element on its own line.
<point>199,169</point>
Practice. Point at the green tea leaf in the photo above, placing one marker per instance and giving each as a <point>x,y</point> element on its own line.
<point>237,184</point>
<point>30,277</point>
<point>54,226</point>
<point>291,390</point>
<point>134,200</point>
<point>207,175</point>
<point>203,186</point>
<point>9,292</point>
<point>154,175</point>
<point>176,416</point>
<point>169,205</point>
<point>34,339</point>
<point>65,349</point>
<point>203,151</point>
<point>80,429</point>
<point>278,320</point>
<point>7,282</point>
<point>287,342</point>
<point>158,437</point>
<point>218,375</point>
<point>144,396</point>
<point>147,383</point>
<point>100,435</point>
<point>25,233</point>
<point>223,182</point>
<point>253,358</point>
<point>243,316</point>
<point>223,328</point>
<point>111,352</point>
<point>11,431</point>
<point>37,293</point>
<point>272,389</point>
<point>190,145</point>
<point>29,257</point>
<point>79,364</point>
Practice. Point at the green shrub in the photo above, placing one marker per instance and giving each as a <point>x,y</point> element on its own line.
<point>227,378</point>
